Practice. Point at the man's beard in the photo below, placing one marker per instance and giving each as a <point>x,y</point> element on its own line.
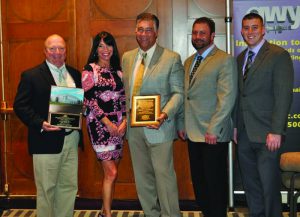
<point>199,46</point>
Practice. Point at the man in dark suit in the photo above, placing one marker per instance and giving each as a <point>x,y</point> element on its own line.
<point>151,147</point>
<point>54,150</point>
<point>264,98</point>
<point>210,93</point>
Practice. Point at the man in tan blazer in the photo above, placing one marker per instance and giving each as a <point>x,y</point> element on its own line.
<point>151,147</point>
<point>210,92</point>
<point>264,99</point>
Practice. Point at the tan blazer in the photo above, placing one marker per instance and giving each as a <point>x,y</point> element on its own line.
<point>164,76</point>
<point>209,98</point>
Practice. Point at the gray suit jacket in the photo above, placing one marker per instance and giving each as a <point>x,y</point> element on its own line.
<point>164,76</point>
<point>210,97</point>
<point>265,97</point>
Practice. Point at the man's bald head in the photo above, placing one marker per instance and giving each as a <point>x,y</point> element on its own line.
<point>55,50</point>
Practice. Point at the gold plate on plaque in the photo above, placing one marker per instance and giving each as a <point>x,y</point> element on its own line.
<point>145,110</point>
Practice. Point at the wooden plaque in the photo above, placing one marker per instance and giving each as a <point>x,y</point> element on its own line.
<point>145,110</point>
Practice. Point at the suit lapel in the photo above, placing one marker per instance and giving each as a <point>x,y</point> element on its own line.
<point>153,63</point>
<point>188,66</point>
<point>131,66</point>
<point>46,73</point>
<point>203,63</point>
<point>74,75</point>
<point>257,62</point>
<point>240,62</point>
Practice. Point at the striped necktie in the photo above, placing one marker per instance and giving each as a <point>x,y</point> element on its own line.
<point>197,63</point>
<point>248,64</point>
<point>138,81</point>
<point>61,76</point>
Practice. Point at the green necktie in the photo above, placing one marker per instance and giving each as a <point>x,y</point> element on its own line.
<point>61,77</point>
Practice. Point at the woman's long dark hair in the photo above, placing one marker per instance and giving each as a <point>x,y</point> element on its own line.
<point>109,40</point>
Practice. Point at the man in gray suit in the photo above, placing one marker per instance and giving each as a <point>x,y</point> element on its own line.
<point>151,147</point>
<point>210,92</point>
<point>264,98</point>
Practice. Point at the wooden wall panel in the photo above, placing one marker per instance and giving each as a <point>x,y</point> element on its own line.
<point>27,23</point>
<point>36,11</point>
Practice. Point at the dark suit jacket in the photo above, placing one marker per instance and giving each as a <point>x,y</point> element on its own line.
<point>31,106</point>
<point>265,97</point>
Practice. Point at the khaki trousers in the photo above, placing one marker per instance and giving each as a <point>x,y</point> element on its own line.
<point>154,174</point>
<point>56,178</point>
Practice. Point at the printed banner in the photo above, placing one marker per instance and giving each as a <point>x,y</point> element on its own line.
<point>282,22</point>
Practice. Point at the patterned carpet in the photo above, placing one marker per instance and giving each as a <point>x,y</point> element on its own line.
<point>116,213</point>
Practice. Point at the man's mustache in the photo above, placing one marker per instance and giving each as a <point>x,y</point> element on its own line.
<point>199,40</point>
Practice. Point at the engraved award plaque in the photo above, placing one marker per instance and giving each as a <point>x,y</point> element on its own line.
<point>65,107</point>
<point>145,110</point>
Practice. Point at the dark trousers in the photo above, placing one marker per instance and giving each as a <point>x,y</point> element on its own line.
<point>208,165</point>
<point>261,177</point>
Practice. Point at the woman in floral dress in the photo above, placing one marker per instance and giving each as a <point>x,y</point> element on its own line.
<point>104,99</point>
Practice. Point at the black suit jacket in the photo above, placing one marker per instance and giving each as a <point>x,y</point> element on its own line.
<point>31,106</point>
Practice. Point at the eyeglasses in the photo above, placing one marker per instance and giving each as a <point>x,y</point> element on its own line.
<point>53,49</point>
<point>146,30</point>
<point>201,33</point>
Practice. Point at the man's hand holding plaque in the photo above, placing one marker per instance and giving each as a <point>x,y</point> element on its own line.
<point>161,119</point>
<point>48,127</point>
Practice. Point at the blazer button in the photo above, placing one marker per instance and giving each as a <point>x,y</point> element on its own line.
<point>188,98</point>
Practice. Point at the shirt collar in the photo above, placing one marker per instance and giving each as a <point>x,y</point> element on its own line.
<point>206,52</point>
<point>54,67</point>
<point>257,47</point>
<point>149,52</point>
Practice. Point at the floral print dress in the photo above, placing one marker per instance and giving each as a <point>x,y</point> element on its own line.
<point>104,95</point>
